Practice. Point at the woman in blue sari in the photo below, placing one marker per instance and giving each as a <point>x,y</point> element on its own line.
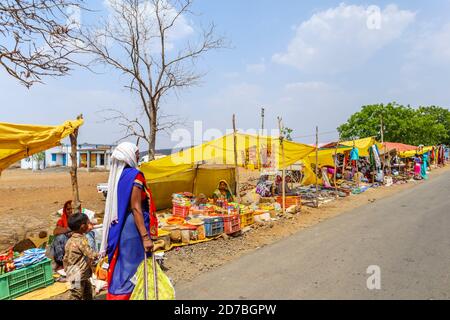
<point>424,167</point>
<point>130,221</point>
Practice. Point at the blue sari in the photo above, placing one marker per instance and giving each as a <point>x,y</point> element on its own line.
<point>423,171</point>
<point>125,249</point>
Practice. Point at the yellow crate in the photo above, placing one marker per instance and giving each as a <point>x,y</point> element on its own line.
<point>247,219</point>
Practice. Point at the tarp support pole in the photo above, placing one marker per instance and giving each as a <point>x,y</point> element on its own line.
<point>194,181</point>
<point>283,180</point>
<point>238,193</point>
<point>335,167</point>
<point>74,169</point>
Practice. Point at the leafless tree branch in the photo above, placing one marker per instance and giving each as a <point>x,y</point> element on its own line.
<point>34,38</point>
<point>136,41</point>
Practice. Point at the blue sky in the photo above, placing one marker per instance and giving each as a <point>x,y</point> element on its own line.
<point>311,62</point>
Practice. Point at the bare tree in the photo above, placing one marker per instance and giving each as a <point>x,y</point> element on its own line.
<point>137,40</point>
<point>34,36</point>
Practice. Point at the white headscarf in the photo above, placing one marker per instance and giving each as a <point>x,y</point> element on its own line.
<point>123,155</point>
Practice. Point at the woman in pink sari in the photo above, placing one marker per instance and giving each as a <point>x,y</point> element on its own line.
<point>417,167</point>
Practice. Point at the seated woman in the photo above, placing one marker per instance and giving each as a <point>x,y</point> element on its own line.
<point>223,192</point>
<point>62,233</point>
<point>279,186</point>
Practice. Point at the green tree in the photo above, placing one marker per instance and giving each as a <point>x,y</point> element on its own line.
<point>439,116</point>
<point>287,133</point>
<point>39,158</point>
<point>425,125</point>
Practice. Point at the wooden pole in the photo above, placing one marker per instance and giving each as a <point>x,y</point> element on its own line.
<point>258,155</point>
<point>383,165</point>
<point>374,169</point>
<point>238,193</point>
<point>317,166</point>
<point>74,170</point>
<point>283,180</point>
<point>194,182</point>
<point>343,167</point>
<point>335,167</point>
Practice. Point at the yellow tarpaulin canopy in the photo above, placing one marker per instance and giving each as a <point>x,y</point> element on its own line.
<point>325,156</point>
<point>253,152</point>
<point>362,145</point>
<point>18,141</point>
<point>412,153</point>
<point>199,169</point>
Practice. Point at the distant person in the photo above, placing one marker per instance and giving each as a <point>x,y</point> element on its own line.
<point>62,234</point>
<point>79,258</point>
<point>424,167</point>
<point>279,186</point>
<point>417,167</point>
<point>223,192</point>
<point>264,186</point>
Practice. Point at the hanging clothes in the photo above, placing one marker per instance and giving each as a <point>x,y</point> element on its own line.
<point>354,154</point>
<point>375,160</point>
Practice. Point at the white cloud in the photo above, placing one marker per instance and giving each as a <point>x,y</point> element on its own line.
<point>340,38</point>
<point>231,75</point>
<point>311,103</point>
<point>432,45</point>
<point>312,85</point>
<point>258,68</point>
<point>237,95</point>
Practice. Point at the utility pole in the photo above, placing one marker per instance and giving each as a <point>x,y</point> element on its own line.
<point>262,119</point>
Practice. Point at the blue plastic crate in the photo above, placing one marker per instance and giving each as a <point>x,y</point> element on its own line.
<point>213,226</point>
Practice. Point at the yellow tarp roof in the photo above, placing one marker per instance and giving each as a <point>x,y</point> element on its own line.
<point>363,145</point>
<point>412,153</point>
<point>325,156</point>
<point>221,152</point>
<point>18,141</point>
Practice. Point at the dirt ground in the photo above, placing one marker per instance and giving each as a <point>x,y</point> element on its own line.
<point>29,201</point>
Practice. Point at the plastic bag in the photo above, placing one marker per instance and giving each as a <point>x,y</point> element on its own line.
<point>166,290</point>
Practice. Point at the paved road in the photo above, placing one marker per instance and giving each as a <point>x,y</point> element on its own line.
<point>407,236</point>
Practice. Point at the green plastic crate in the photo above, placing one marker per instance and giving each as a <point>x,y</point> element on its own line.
<point>20,282</point>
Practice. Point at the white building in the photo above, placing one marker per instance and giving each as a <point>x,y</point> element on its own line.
<point>89,156</point>
<point>95,156</point>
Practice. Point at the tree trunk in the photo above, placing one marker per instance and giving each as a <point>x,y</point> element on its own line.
<point>73,173</point>
<point>152,138</point>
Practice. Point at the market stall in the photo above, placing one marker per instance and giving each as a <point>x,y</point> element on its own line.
<point>184,171</point>
<point>189,181</point>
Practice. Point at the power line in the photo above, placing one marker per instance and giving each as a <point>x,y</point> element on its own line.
<point>313,135</point>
